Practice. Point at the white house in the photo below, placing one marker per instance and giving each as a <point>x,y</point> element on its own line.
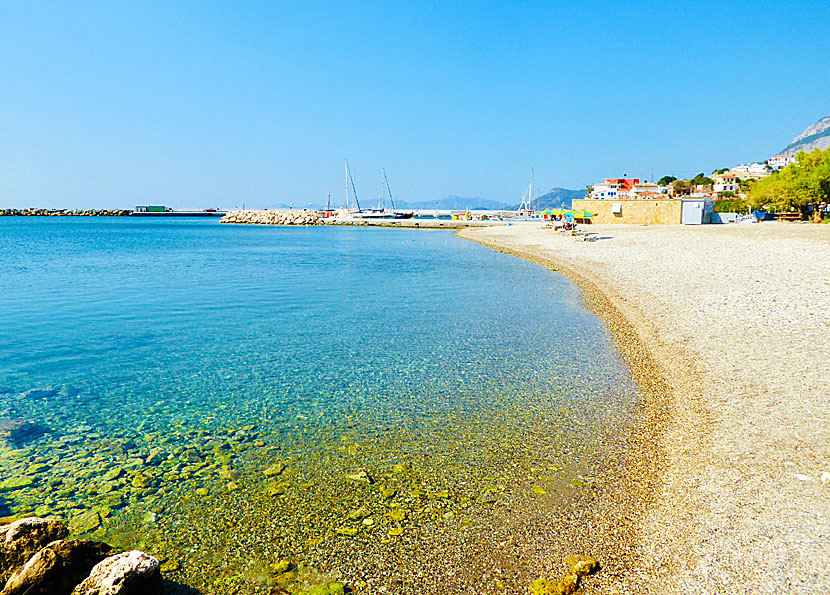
<point>614,189</point>
<point>725,182</point>
<point>752,170</point>
<point>780,161</point>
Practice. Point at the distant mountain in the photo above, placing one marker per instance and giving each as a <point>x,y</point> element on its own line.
<point>556,198</point>
<point>816,136</point>
<point>454,203</point>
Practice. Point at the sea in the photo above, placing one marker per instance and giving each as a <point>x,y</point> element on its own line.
<point>299,409</point>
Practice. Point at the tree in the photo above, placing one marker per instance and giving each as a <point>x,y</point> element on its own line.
<point>802,186</point>
<point>666,180</point>
<point>701,180</point>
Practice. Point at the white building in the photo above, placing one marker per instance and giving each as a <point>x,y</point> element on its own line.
<point>751,170</point>
<point>725,182</point>
<point>780,161</point>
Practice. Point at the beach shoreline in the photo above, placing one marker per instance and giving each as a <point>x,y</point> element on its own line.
<point>701,506</point>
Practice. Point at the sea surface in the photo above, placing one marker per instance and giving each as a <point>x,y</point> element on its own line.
<point>284,409</point>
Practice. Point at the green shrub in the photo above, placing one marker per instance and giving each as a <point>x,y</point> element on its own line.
<point>731,206</point>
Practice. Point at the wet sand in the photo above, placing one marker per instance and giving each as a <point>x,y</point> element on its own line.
<point>727,484</point>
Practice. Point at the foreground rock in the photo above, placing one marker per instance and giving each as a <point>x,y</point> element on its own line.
<point>274,217</point>
<point>22,539</point>
<point>130,573</point>
<point>37,559</point>
<point>57,568</point>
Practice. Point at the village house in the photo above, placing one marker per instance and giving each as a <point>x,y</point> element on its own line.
<point>614,189</point>
<point>725,182</point>
<point>751,170</point>
<point>780,161</point>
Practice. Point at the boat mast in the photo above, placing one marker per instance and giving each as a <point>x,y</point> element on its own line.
<point>349,178</point>
<point>391,198</point>
<point>347,185</point>
<point>532,180</point>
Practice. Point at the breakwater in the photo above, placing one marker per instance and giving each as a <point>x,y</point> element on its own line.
<point>265,217</point>
<point>65,212</point>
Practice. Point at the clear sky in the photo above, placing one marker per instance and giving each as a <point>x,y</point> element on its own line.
<point>113,104</point>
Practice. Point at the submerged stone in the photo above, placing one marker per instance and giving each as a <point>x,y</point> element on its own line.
<point>16,483</point>
<point>85,522</point>
<point>580,565</point>
<point>358,515</point>
<point>360,476</point>
<point>274,470</point>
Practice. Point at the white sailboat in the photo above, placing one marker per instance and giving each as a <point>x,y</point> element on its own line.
<point>526,211</point>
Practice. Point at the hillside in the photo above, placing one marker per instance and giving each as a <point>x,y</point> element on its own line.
<point>454,203</point>
<point>816,136</point>
<point>556,198</point>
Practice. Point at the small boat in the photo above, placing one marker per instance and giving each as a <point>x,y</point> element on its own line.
<point>382,211</point>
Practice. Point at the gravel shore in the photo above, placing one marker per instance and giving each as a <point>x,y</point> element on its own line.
<point>735,321</point>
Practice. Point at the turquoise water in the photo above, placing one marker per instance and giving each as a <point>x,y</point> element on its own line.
<point>152,369</point>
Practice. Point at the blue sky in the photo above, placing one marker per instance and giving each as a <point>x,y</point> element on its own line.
<point>113,104</point>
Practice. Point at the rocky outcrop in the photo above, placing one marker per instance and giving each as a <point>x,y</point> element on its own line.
<point>23,538</point>
<point>816,136</point>
<point>64,213</point>
<point>130,573</point>
<point>274,217</point>
<point>37,559</point>
<point>57,568</point>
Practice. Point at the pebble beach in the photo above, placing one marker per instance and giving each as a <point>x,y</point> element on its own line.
<point>728,486</point>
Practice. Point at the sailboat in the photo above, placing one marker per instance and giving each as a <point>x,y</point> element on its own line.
<point>381,212</point>
<point>526,211</point>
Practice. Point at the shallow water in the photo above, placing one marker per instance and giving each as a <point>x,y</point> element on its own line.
<point>405,386</point>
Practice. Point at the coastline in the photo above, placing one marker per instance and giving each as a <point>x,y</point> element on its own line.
<point>686,515</point>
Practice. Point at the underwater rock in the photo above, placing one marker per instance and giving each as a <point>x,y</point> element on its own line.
<point>130,573</point>
<point>274,470</point>
<point>41,393</point>
<point>358,515</point>
<point>277,488</point>
<point>57,568</point>
<point>20,433</point>
<point>21,539</point>
<point>396,515</point>
<point>88,520</point>
<point>580,565</point>
<point>15,483</point>
<point>155,457</point>
<point>564,586</point>
<point>360,476</point>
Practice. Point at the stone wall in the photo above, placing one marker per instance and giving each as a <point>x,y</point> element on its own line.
<point>274,217</point>
<point>638,212</point>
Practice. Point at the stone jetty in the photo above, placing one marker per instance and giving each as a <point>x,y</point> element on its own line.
<point>266,217</point>
<point>65,213</point>
<point>37,558</point>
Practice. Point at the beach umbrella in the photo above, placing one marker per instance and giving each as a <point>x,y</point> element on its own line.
<point>583,214</point>
<point>556,212</point>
